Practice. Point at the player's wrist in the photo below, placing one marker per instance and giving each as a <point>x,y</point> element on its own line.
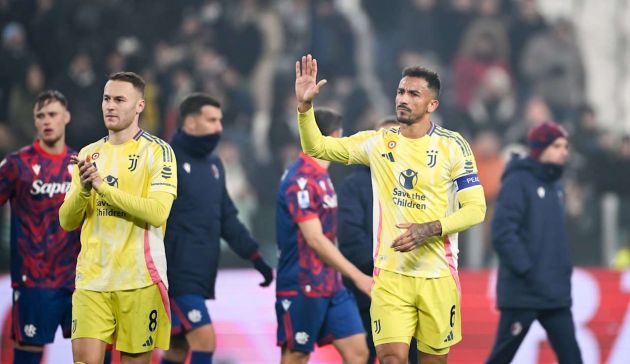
<point>304,106</point>
<point>436,228</point>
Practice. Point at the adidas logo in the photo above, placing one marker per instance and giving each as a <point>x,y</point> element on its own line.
<point>449,337</point>
<point>148,343</point>
<point>389,156</point>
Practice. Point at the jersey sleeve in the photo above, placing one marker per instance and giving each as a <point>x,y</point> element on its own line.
<point>163,169</point>
<point>470,195</point>
<point>303,199</point>
<point>347,150</point>
<point>463,166</point>
<point>9,173</point>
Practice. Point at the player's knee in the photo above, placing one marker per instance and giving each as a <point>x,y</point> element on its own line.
<point>392,358</point>
<point>359,355</point>
<point>177,355</point>
<point>202,339</point>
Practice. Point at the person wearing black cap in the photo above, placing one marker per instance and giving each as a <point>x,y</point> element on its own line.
<point>529,236</point>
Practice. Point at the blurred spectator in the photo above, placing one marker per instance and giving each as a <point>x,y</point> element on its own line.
<point>534,113</point>
<point>150,117</point>
<point>493,105</point>
<point>80,85</point>
<point>553,66</point>
<point>21,106</point>
<point>457,16</point>
<point>527,23</point>
<point>15,56</point>
<point>482,49</point>
<point>49,36</point>
<point>421,23</point>
<point>387,39</point>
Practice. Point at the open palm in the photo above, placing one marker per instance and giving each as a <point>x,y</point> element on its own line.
<point>306,85</point>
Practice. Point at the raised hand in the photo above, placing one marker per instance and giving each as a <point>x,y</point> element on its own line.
<point>415,235</point>
<point>306,85</point>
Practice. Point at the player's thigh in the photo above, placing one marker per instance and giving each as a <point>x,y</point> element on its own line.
<point>343,325</point>
<point>92,316</point>
<point>202,338</point>
<point>35,323</point>
<point>190,316</point>
<point>439,315</point>
<point>342,317</point>
<point>300,320</point>
<point>393,310</point>
<point>142,319</point>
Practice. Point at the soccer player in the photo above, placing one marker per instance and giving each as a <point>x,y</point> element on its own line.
<point>202,214</point>
<point>426,190</point>
<point>122,191</point>
<point>529,235</point>
<point>312,305</point>
<point>355,236</point>
<point>35,180</point>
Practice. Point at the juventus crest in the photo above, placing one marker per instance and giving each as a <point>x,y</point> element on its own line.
<point>133,162</point>
<point>432,158</point>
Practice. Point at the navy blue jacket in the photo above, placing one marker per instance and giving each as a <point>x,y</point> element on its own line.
<point>354,228</point>
<point>202,214</point>
<point>529,235</point>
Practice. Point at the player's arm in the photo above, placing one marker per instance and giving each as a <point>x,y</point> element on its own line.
<point>340,150</point>
<point>313,233</point>
<point>508,220</point>
<point>9,173</point>
<point>347,150</point>
<point>239,238</point>
<point>153,209</point>
<point>354,237</point>
<point>72,211</point>
<point>472,210</point>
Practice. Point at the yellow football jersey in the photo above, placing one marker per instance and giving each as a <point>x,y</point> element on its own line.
<point>413,181</point>
<point>120,251</point>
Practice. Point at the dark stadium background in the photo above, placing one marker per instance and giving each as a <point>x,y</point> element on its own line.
<point>505,65</point>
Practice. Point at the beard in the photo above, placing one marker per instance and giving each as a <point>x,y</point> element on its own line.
<point>405,120</point>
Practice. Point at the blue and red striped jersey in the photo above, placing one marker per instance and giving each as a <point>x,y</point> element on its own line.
<point>35,182</point>
<point>306,192</point>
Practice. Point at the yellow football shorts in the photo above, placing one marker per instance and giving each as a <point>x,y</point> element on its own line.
<point>425,308</point>
<point>138,320</point>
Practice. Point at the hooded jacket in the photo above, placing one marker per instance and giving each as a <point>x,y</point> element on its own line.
<point>529,236</point>
<point>202,214</point>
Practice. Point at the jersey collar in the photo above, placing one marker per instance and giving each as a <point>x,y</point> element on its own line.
<point>41,151</point>
<point>310,160</point>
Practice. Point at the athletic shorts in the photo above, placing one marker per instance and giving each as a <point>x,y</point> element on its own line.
<point>425,308</point>
<point>37,312</point>
<point>137,319</point>
<point>189,312</point>
<point>304,321</point>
